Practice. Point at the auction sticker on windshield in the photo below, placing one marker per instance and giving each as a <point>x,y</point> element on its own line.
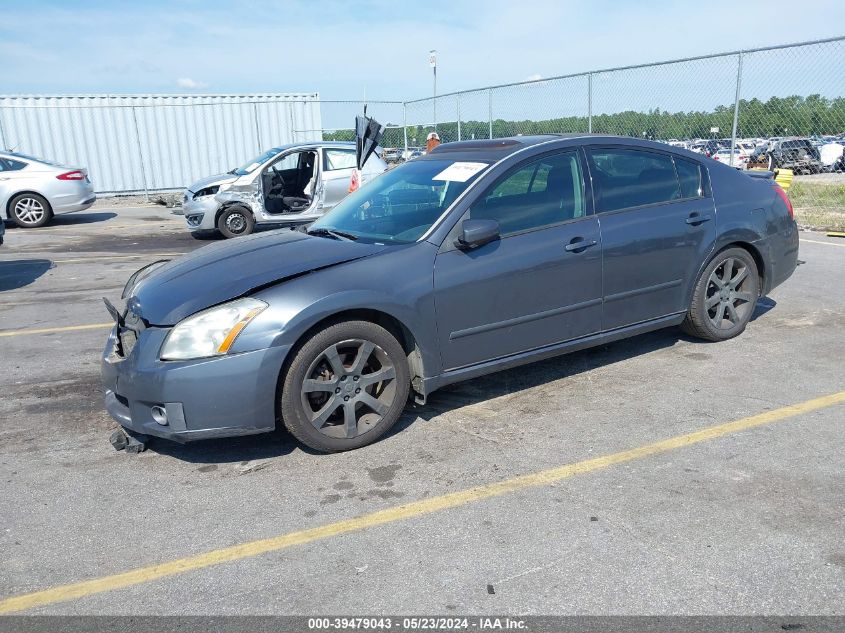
<point>460,172</point>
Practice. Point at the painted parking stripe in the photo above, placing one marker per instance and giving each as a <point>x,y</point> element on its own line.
<point>82,260</point>
<point>407,511</point>
<point>53,330</point>
<point>101,257</point>
<point>820,242</point>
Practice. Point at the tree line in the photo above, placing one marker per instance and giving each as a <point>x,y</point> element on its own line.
<point>778,116</point>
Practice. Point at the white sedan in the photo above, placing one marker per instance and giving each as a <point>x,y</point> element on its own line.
<point>33,190</point>
<point>724,156</point>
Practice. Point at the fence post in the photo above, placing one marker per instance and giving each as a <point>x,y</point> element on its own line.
<point>736,105</point>
<point>490,109</point>
<point>590,103</point>
<point>458,107</point>
<point>257,132</point>
<point>405,126</point>
<point>3,144</point>
<point>140,155</point>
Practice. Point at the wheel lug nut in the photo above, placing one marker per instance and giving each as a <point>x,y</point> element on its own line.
<point>343,377</point>
<point>345,398</point>
<point>337,390</point>
<point>355,379</point>
<point>357,391</point>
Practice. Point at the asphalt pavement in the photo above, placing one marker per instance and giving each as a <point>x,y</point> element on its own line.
<point>746,519</point>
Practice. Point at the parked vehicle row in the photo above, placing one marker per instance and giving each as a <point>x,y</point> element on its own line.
<point>809,155</point>
<point>33,190</point>
<point>476,257</point>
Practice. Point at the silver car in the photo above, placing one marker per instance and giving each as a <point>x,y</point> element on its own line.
<point>290,184</point>
<point>33,190</point>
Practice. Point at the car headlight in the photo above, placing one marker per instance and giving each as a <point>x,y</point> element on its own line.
<point>210,332</point>
<point>208,191</point>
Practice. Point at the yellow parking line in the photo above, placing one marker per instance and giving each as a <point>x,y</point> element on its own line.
<point>399,513</point>
<point>53,330</point>
<point>820,242</point>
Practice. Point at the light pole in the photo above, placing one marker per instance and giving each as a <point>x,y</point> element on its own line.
<point>432,61</point>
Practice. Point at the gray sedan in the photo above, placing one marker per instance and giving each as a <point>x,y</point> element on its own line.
<point>479,256</point>
<point>33,190</point>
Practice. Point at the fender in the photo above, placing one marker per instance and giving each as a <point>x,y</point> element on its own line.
<point>302,302</point>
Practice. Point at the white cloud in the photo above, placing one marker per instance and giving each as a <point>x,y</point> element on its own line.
<point>534,77</point>
<point>190,84</point>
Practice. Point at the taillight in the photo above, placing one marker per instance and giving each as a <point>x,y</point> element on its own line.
<point>72,175</point>
<point>779,190</point>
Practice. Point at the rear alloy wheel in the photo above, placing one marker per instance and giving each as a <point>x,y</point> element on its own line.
<point>235,221</point>
<point>346,387</point>
<point>724,297</point>
<point>29,210</point>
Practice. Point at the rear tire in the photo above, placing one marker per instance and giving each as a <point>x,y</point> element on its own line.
<point>29,210</point>
<point>346,387</point>
<point>724,297</point>
<point>235,221</point>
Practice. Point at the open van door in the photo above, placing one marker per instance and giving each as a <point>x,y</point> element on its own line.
<point>368,133</point>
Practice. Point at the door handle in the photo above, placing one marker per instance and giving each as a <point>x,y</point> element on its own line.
<point>694,218</point>
<point>579,245</point>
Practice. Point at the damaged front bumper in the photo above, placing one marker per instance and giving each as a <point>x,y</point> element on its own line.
<point>223,396</point>
<point>200,213</point>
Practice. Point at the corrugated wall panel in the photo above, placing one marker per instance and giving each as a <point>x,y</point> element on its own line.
<point>130,143</point>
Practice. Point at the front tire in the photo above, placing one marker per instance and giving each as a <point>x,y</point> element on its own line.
<point>346,387</point>
<point>235,221</point>
<point>29,210</point>
<point>724,297</point>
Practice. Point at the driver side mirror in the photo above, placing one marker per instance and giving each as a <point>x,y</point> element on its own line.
<point>475,233</point>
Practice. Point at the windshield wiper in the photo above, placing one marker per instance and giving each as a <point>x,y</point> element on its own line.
<point>335,233</point>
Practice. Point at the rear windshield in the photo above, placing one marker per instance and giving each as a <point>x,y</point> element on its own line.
<point>35,158</point>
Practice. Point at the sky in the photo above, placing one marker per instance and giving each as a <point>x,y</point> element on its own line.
<point>345,50</point>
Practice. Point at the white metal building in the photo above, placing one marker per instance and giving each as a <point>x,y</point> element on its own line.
<point>135,143</point>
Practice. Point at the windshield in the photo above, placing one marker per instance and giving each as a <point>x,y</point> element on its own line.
<point>255,163</point>
<point>400,205</point>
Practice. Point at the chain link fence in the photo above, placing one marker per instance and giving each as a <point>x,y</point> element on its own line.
<point>777,107</point>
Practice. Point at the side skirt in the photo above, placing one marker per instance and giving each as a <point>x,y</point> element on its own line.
<point>430,385</point>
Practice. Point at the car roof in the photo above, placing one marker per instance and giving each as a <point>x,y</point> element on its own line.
<point>339,144</point>
<point>488,149</point>
<point>496,149</point>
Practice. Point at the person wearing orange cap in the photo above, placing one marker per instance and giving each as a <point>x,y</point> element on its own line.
<point>431,141</point>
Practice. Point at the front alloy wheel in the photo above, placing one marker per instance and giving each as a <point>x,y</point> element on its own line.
<point>349,388</point>
<point>346,387</point>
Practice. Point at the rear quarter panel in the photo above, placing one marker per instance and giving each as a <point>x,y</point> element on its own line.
<point>749,211</point>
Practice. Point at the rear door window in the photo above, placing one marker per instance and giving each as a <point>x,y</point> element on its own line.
<point>691,177</point>
<point>339,159</point>
<point>7,164</point>
<point>624,178</point>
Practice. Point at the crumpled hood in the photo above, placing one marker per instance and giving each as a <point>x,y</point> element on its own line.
<point>217,179</point>
<point>227,270</point>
